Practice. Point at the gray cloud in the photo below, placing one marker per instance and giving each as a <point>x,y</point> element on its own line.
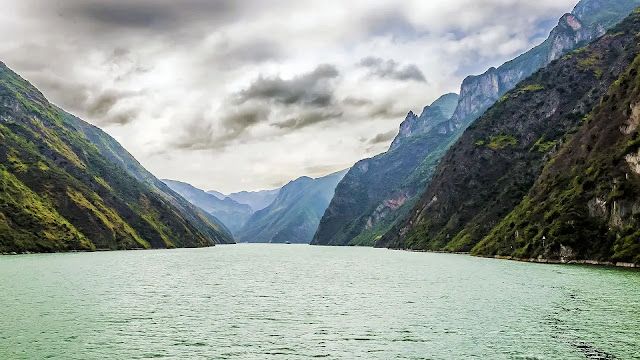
<point>200,133</point>
<point>392,69</point>
<point>229,53</point>
<point>311,89</point>
<point>384,137</point>
<point>307,119</point>
<point>158,15</point>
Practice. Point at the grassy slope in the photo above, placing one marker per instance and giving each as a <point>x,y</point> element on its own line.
<point>61,194</point>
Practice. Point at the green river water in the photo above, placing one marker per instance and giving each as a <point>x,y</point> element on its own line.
<point>304,302</point>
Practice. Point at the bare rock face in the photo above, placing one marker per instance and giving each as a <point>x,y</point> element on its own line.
<point>478,93</point>
<point>441,110</point>
<point>569,33</point>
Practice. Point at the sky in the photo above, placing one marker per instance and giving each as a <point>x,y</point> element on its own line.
<point>234,95</point>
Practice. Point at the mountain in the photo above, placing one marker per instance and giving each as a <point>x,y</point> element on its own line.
<point>258,200</point>
<point>586,202</point>
<point>369,203</point>
<point>543,122</point>
<point>233,214</point>
<point>217,194</point>
<point>294,214</point>
<point>114,152</point>
<point>59,193</point>
<point>377,191</point>
<point>441,110</point>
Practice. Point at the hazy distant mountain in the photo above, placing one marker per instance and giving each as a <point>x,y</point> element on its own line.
<point>61,193</point>
<point>219,195</point>
<point>258,200</point>
<point>233,214</point>
<point>294,214</point>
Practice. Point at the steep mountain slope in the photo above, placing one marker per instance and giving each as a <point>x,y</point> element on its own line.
<point>295,213</point>
<point>258,200</point>
<point>366,205</point>
<point>494,164</point>
<point>59,193</point>
<point>231,213</point>
<point>377,191</point>
<point>586,203</point>
<point>114,152</point>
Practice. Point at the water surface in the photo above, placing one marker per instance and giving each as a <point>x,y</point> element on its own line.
<point>301,302</point>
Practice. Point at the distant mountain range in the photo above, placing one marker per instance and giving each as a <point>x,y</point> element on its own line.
<point>291,214</point>
<point>233,214</point>
<point>258,200</point>
<point>294,214</point>
<point>68,186</point>
<point>379,193</point>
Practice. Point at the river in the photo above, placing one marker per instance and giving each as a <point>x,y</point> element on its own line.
<point>302,302</point>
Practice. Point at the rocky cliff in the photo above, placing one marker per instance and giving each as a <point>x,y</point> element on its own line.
<point>378,191</point>
<point>586,202</point>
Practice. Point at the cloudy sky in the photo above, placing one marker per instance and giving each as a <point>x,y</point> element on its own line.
<point>250,94</point>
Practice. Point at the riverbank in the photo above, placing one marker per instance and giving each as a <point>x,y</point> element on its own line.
<point>535,260</point>
<point>13,253</point>
<point>565,262</point>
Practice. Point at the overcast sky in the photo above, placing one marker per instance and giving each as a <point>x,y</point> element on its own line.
<point>249,94</point>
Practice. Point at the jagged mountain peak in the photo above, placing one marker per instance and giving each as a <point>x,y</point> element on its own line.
<point>439,111</point>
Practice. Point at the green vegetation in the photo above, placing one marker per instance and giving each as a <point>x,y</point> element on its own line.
<point>544,146</point>
<point>501,141</point>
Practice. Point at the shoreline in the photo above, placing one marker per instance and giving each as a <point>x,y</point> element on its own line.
<point>565,262</point>
<point>14,253</point>
<point>533,260</point>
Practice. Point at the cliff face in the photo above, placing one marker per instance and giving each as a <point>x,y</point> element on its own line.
<point>485,175</point>
<point>478,93</point>
<point>441,110</point>
<point>378,191</point>
<point>59,193</point>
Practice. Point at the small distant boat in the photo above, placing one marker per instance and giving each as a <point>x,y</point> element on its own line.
<point>288,242</point>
